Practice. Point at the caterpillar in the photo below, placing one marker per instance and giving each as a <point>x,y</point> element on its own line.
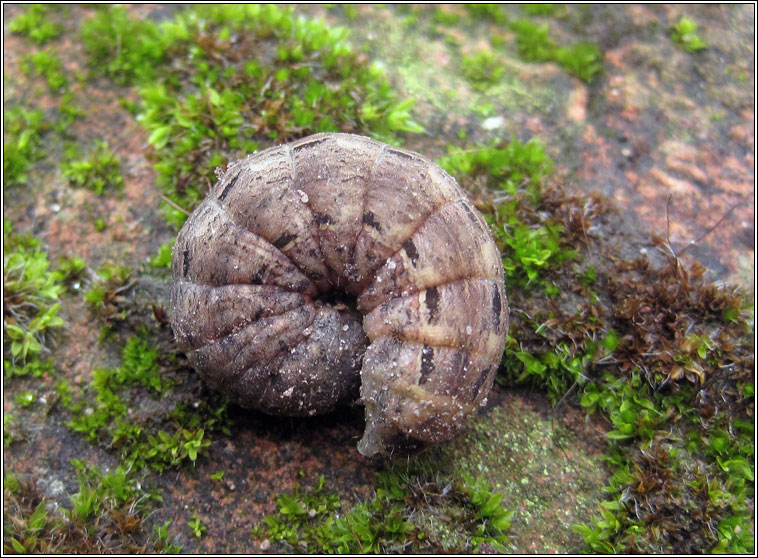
<point>338,268</point>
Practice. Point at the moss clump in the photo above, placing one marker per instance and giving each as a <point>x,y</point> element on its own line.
<point>241,77</point>
<point>163,257</point>
<point>530,241</point>
<point>490,12</point>
<point>534,44</point>
<point>22,143</point>
<point>106,515</point>
<point>684,34</point>
<point>34,23</point>
<point>98,170</point>
<point>46,64</point>
<point>106,294</point>
<point>682,345</point>
<point>648,349</point>
<point>123,48</point>
<point>540,9</point>
<point>410,513</point>
<point>103,413</point>
<point>482,69</point>
<point>31,293</point>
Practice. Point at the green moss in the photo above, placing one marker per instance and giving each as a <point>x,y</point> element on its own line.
<point>705,472</point>
<point>22,143</point>
<point>582,60</point>
<point>31,293</point>
<point>530,242</point>
<point>684,34</point>
<point>510,166</point>
<point>24,398</point>
<point>539,9</point>
<point>123,48</point>
<point>414,510</point>
<point>534,44</point>
<point>8,436</point>
<point>23,536</point>
<point>300,77</point>
<point>34,24</point>
<point>46,64</point>
<point>101,412</point>
<point>98,490</point>
<point>34,368</point>
<point>349,11</point>
<point>100,224</point>
<point>668,447</point>
<point>446,17</point>
<point>68,113</point>
<point>106,514</point>
<point>482,69</point>
<point>532,249</point>
<point>197,526</point>
<point>163,257</point>
<point>651,360</point>
<point>98,170</point>
<point>71,271</point>
<point>490,12</point>
<point>105,294</point>
<point>533,40</point>
<point>552,371</point>
<point>161,538</point>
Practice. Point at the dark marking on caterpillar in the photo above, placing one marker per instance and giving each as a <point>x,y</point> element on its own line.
<point>186,262</point>
<point>323,219</point>
<point>283,240</point>
<point>402,154</point>
<point>497,306</point>
<point>427,364</point>
<point>228,187</point>
<point>432,301</point>
<point>258,278</point>
<point>314,275</point>
<point>410,249</point>
<point>471,215</point>
<point>370,220</point>
<point>312,143</point>
<point>478,384</point>
<point>302,286</point>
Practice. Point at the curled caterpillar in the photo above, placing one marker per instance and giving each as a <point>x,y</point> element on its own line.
<point>338,266</point>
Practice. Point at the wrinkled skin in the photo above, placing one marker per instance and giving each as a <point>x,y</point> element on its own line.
<point>260,265</point>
